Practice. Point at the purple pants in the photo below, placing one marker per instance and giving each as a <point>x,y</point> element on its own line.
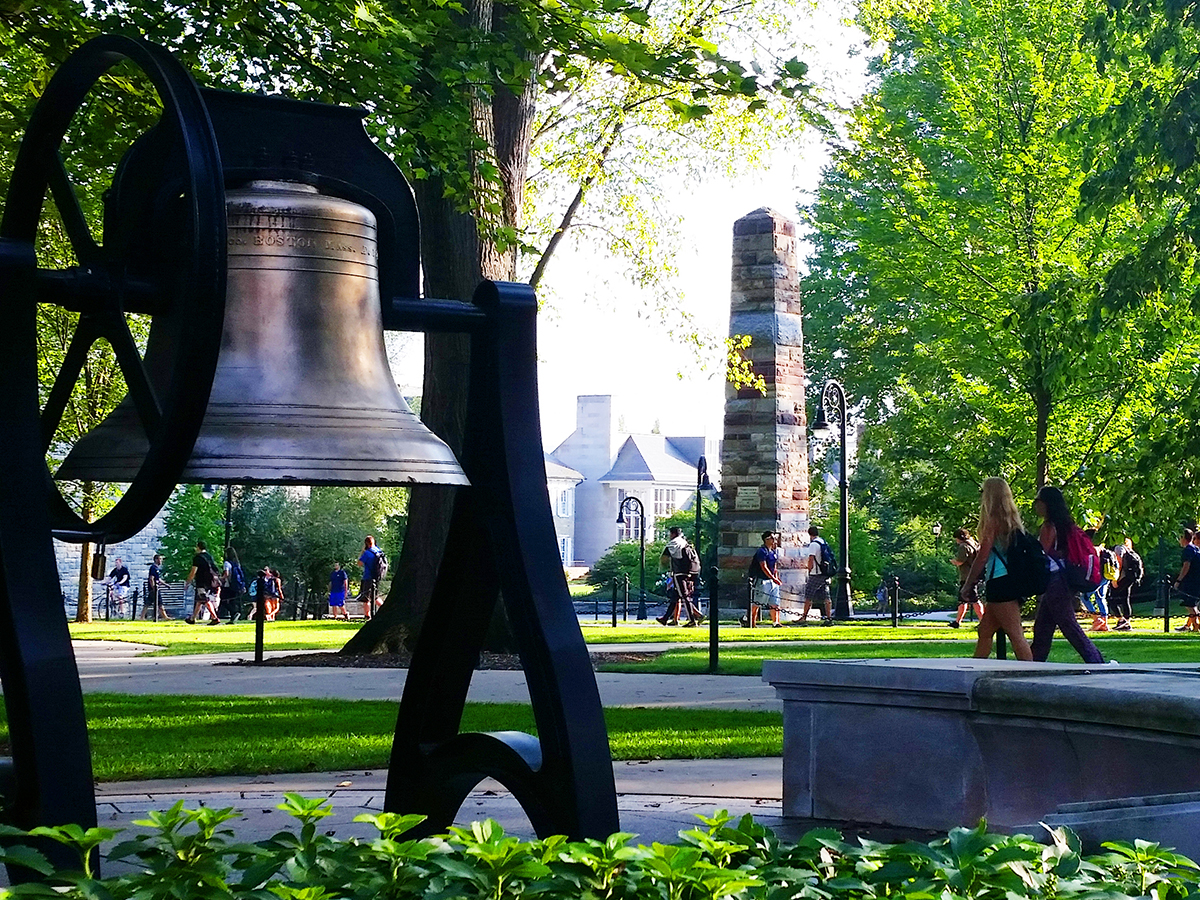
<point>1056,609</point>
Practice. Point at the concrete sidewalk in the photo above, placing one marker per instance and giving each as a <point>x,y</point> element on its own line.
<point>656,799</point>
<point>114,667</point>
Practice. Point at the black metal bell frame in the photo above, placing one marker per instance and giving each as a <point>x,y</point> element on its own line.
<point>172,181</point>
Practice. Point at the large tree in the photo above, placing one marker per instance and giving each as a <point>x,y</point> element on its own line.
<point>956,287</point>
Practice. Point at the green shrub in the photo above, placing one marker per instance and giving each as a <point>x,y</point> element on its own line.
<point>622,559</point>
<point>190,855</point>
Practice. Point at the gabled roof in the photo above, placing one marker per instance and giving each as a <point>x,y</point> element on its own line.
<point>558,472</point>
<point>654,457</point>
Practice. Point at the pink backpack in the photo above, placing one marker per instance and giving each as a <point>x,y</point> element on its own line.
<point>1082,562</point>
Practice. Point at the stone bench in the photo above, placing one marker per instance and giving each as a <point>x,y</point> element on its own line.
<point>936,743</point>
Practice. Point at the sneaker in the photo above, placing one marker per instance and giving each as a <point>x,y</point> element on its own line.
<point>1182,628</point>
<point>827,621</point>
<point>215,622</point>
<point>190,620</point>
<point>954,624</point>
<point>691,624</point>
<point>1124,626</point>
<point>777,625</point>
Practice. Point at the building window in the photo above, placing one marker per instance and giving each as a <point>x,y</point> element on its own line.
<point>563,509</point>
<point>630,530</point>
<point>564,550</point>
<point>664,502</point>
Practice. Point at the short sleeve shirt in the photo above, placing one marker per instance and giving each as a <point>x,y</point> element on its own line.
<point>764,556</point>
<point>154,575</point>
<point>368,560</point>
<point>813,551</point>
<point>965,554</point>
<point>338,580</point>
<point>1191,582</point>
<point>204,569</point>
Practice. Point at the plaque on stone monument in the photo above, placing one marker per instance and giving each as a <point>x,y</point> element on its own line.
<point>747,497</point>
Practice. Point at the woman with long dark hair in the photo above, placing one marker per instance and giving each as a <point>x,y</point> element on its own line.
<point>1056,607</point>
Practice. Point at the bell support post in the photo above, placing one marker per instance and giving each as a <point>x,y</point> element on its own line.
<point>563,778</point>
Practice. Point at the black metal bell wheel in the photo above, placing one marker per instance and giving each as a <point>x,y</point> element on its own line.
<point>162,254</point>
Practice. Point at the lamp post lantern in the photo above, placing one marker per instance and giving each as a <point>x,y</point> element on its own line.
<point>937,551</point>
<point>641,511</point>
<point>833,408</point>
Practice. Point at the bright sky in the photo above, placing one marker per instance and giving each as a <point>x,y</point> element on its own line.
<point>602,346</point>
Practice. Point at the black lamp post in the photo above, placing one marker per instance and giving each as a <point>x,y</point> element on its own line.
<point>833,407</point>
<point>937,551</point>
<point>641,511</point>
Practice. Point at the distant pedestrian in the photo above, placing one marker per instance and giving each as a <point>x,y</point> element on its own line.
<point>684,565</point>
<point>208,585</point>
<point>275,601</point>
<point>964,557</point>
<point>1131,570</point>
<point>999,520</point>
<point>233,586</point>
<point>1096,602</point>
<point>118,579</point>
<point>1056,607</point>
<point>338,581</point>
<point>373,563</point>
<point>818,561</point>
<point>1187,582</point>
<point>764,577</point>
<point>154,586</point>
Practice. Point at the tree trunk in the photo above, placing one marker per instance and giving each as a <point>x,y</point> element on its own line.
<point>457,252</point>
<point>83,610</point>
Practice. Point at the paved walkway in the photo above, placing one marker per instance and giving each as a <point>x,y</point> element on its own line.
<point>655,798</point>
<point>114,667</point>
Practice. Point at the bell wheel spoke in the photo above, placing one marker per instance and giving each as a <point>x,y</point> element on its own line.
<point>136,379</point>
<point>67,201</point>
<point>64,382</point>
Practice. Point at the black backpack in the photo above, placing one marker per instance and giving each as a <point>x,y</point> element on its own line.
<point>1028,569</point>
<point>1133,570</point>
<point>827,564</point>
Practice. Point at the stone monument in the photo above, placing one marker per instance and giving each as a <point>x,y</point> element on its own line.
<point>764,462</point>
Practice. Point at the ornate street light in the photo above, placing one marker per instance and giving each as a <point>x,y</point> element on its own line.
<point>937,551</point>
<point>641,511</point>
<point>832,408</point>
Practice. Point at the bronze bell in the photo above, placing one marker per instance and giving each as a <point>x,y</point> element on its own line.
<point>302,392</point>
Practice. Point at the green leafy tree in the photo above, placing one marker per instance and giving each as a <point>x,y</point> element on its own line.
<point>623,559</point>
<point>969,307</point>
<point>190,518</point>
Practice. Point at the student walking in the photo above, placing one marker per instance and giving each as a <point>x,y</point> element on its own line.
<point>1056,608</point>
<point>964,556</point>
<point>998,521</point>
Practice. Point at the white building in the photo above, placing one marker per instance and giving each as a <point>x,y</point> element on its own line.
<point>659,470</point>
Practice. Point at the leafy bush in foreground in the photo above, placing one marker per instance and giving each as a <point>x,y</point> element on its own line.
<point>189,856</point>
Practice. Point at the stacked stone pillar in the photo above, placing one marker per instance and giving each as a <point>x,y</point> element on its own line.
<point>764,462</point>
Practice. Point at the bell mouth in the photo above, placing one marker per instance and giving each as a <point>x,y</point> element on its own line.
<point>303,393</point>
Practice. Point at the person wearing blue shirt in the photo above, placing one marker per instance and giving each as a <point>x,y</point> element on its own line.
<point>369,563</point>
<point>764,570</point>
<point>1187,582</point>
<point>338,580</point>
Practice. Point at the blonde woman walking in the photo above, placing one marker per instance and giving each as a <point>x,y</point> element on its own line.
<point>998,520</point>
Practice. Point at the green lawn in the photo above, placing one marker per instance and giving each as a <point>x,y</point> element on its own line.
<point>167,736</point>
<point>177,638</point>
